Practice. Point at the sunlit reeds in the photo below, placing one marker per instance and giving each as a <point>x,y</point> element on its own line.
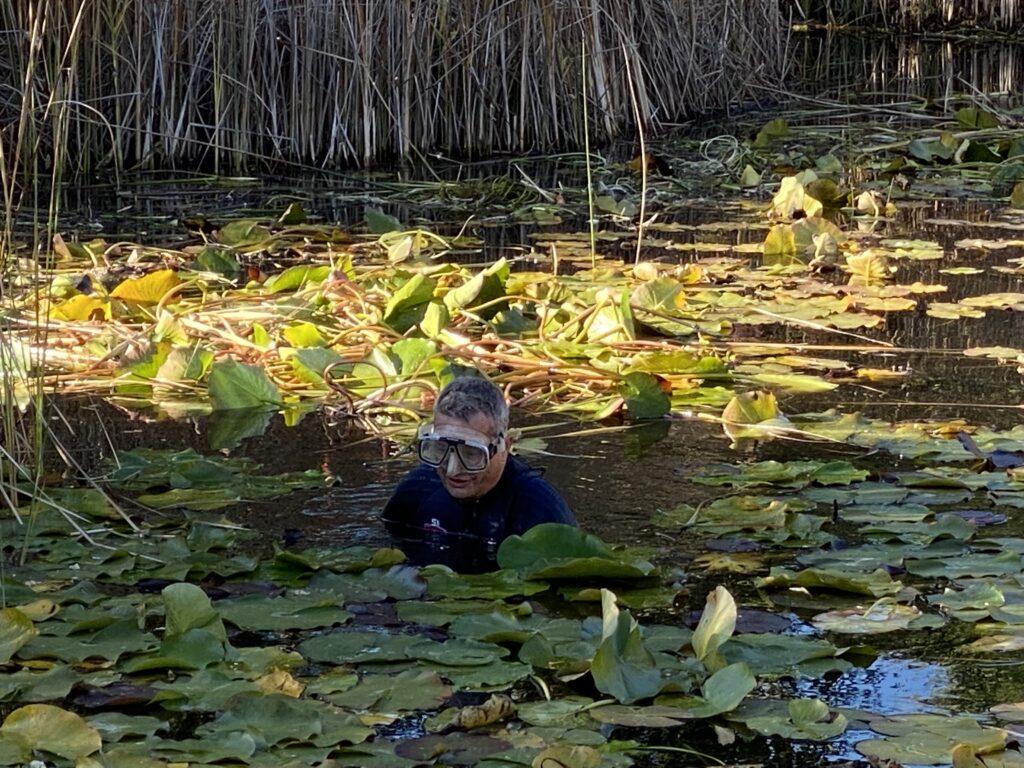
<point>332,82</point>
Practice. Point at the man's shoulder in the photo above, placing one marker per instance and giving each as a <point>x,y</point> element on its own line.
<point>523,475</point>
<point>416,485</point>
<point>537,500</point>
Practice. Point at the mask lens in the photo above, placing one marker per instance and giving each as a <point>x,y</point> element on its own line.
<point>474,458</point>
<point>433,451</point>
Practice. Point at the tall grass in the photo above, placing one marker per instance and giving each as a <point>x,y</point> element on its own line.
<point>918,15</point>
<point>234,83</point>
<point>37,122</point>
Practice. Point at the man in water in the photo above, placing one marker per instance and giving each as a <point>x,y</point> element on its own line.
<point>469,494</point>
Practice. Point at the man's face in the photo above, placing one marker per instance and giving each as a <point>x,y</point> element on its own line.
<point>456,480</point>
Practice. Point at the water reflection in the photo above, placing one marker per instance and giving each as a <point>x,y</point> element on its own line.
<point>889,686</point>
<point>906,68</point>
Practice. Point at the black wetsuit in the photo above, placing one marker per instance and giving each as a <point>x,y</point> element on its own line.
<point>464,534</point>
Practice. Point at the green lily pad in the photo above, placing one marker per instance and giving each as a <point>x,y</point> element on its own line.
<point>277,719</point>
<point>256,612</point>
<point>360,647</point>
<point>653,716</point>
<point>803,719</point>
<point>778,655</point>
<point>51,729</point>
<point>391,694</point>
<point>644,396</point>
<point>928,739</point>
<point>452,749</point>
<point>556,551</point>
<point>16,629</point>
<point>457,652</point>
<point>205,691</point>
<point>115,726</point>
<point>878,583</point>
<point>976,564</point>
<point>722,692</point>
<point>236,746</point>
<point>236,386</point>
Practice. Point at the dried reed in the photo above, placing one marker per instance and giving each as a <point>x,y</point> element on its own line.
<point>334,82</point>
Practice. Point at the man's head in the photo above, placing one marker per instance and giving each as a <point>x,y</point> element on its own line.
<point>470,428</point>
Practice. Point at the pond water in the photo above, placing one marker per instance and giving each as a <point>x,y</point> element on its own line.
<point>617,476</point>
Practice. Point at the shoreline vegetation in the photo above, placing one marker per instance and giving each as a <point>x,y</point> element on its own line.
<point>327,84</point>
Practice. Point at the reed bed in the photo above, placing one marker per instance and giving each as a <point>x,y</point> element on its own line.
<point>240,84</point>
<point>918,15</point>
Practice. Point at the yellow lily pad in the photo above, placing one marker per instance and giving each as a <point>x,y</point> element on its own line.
<point>148,289</point>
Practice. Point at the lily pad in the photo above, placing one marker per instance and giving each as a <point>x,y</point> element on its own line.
<point>16,629</point>
<point>804,719</point>
<point>556,551</point>
<point>236,386</point>
<point>51,729</point>
<point>929,739</point>
<point>885,615</point>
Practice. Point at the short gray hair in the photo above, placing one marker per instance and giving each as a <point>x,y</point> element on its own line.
<point>468,395</point>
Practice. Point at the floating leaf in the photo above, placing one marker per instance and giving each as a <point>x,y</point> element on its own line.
<point>792,198</point>
<point>804,719</point>
<point>186,608</point>
<point>973,118</point>
<point>773,129</point>
<point>867,268</point>
<point>51,729</point>
<point>407,305</point>
<point>653,716</point>
<point>304,335</point>
<point>484,288</point>
<point>753,416</point>
<point>236,386</point>
<point>455,748</point>
<point>644,396</point>
<point>884,615</point>
<point>722,692</point>
<point>380,223</point>
<point>297,277</point>
<point>82,308</point>
<point>243,233</point>
<point>929,739</point>
<point>16,629</point>
<point>878,583</point>
<point>554,551</point>
<point>148,289</point>
<point>293,214</point>
<point>1017,196</point>
<point>749,177</point>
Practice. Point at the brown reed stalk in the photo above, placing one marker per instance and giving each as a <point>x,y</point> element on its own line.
<point>247,83</point>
